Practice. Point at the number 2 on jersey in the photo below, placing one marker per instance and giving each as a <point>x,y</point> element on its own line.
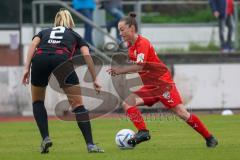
<point>57,30</point>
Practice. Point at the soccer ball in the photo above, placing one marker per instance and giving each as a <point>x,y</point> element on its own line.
<point>122,138</point>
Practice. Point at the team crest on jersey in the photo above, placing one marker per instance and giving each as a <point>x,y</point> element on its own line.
<point>140,58</point>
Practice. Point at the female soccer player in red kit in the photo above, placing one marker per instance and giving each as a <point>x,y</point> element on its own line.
<point>158,85</point>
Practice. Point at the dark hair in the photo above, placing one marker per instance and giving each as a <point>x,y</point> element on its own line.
<point>131,20</point>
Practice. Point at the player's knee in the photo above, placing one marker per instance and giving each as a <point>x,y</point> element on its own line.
<point>184,115</point>
<point>182,112</point>
<point>130,101</point>
<point>74,102</point>
<point>126,106</point>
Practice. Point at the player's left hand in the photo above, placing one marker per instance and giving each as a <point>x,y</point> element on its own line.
<point>25,77</point>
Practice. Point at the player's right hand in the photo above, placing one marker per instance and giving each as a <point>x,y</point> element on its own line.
<point>97,87</point>
<point>113,71</point>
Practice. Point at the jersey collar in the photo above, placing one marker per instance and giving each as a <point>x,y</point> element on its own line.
<point>138,39</point>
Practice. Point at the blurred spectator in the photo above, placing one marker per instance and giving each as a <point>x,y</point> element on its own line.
<point>114,8</point>
<point>86,7</point>
<point>224,11</point>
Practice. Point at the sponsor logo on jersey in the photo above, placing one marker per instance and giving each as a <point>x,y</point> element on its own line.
<point>140,58</point>
<point>52,41</point>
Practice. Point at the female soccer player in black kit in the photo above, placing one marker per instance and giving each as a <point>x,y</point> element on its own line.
<point>49,49</point>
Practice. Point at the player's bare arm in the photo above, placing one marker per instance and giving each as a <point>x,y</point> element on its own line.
<point>90,64</point>
<point>31,50</point>
<point>124,70</point>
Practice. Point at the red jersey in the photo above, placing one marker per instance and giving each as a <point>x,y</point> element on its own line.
<point>154,72</point>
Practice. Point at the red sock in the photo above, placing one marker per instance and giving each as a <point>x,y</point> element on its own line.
<point>196,124</point>
<point>136,117</point>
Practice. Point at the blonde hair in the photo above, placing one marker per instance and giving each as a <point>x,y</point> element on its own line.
<point>64,18</point>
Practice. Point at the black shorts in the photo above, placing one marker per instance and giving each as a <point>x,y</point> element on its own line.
<point>46,64</point>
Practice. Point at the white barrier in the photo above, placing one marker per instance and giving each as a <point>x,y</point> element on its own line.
<point>202,86</point>
<point>209,85</point>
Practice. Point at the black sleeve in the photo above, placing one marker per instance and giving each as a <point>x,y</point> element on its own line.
<point>38,35</point>
<point>81,42</point>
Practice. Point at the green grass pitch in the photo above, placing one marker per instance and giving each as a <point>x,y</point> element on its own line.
<point>171,139</point>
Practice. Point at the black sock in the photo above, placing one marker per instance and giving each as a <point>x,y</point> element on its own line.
<point>84,124</point>
<point>40,115</point>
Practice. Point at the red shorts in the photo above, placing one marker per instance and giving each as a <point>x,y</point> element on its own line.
<point>151,94</point>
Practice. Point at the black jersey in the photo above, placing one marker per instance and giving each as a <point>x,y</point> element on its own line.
<point>59,40</point>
